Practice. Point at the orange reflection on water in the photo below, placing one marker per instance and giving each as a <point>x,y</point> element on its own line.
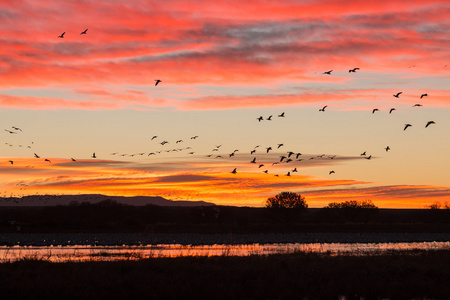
<point>114,253</point>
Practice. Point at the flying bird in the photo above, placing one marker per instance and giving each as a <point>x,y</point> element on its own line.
<point>423,95</point>
<point>93,155</point>
<point>363,154</point>
<point>429,123</point>
<point>280,145</point>
<point>374,110</point>
<point>62,35</point>
<point>331,172</point>
<point>268,149</point>
<point>295,170</point>
<point>47,160</point>
<point>37,156</point>
<point>391,110</point>
<point>417,105</point>
<point>397,95</point>
<point>387,148</point>
<point>281,115</point>
<point>253,151</point>
<point>323,108</point>
<point>157,81</point>
<point>353,70</point>
<point>73,159</point>
<point>261,165</point>
<point>84,32</point>
<point>369,157</point>
<point>328,72</point>
<point>266,171</point>
<point>11,162</point>
<point>12,132</point>
<point>16,128</point>
<point>234,171</point>
<point>194,137</point>
<point>269,118</point>
<point>406,126</point>
<point>154,137</point>
<point>260,118</point>
<point>253,160</point>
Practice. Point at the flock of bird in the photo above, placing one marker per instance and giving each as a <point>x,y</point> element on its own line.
<point>289,157</point>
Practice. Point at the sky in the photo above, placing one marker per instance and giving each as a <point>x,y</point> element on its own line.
<point>222,66</point>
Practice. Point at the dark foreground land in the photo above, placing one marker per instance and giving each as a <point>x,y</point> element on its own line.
<point>404,275</point>
<point>112,217</point>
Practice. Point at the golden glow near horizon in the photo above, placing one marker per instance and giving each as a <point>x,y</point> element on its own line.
<point>221,68</point>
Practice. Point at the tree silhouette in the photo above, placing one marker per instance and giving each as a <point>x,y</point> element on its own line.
<point>287,204</point>
<point>352,210</point>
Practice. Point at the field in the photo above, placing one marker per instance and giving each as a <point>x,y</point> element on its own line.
<point>404,275</point>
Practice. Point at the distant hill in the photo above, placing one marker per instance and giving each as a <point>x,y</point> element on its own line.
<point>52,200</point>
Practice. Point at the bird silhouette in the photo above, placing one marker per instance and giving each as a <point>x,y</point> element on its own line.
<point>232,154</point>
<point>288,174</point>
<point>266,171</point>
<point>234,171</point>
<point>253,160</point>
<point>269,118</point>
<point>93,155</point>
<point>397,95</point>
<point>282,158</point>
<point>62,35</point>
<point>353,70</point>
<point>157,81</point>
<point>253,151</point>
<point>295,170</point>
<point>9,131</point>
<point>323,108</point>
<point>417,105</point>
<point>260,118</point>
<point>368,157</point>
<point>179,141</point>
<point>331,172</point>
<point>16,128</point>
<point>328,72</point>
<point>268,149</point>
<point>391,110</point>
<point>429,123</point>
<point>387,148</point>
<point>374,110</point>
<point>406,126</point>
<point>280,145</point>
<point>47,160</point>
<point>423,95</point>
<point>194,137</point>
<point>281,115</point>
<point>363,154</point>
<point>154,137</point>
<point>260,166</point>
<point>11,162</point>
<point>297,155</point>
<point>84,32</point>
<point>73,159</point>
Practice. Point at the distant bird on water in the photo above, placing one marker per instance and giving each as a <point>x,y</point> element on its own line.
<point>62,35</point>
<point>397,95</point>
<point>157,81</point>
<point>353,70</point>
<point>84,32</point>
<point>406,126</point>
<point>429,123</point>
<point>423,95</point>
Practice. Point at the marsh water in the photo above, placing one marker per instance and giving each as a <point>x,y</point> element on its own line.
<point>81,253</point>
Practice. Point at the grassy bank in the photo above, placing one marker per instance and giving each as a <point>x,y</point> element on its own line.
<point>404,275</point>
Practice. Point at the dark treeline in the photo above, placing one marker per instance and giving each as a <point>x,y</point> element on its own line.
<point>110,216</point>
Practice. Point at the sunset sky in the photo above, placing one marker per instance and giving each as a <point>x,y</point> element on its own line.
<point>222,66</point>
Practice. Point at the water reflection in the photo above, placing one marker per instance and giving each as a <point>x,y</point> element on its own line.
<point>111,253</point>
